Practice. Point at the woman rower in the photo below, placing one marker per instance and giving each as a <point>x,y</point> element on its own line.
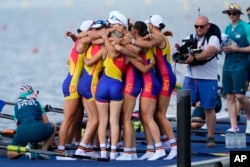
<point>87,88</point>
<point>166,76</point>
<point>33,125</point>
<point>150,91</point>
<point>69,87</point>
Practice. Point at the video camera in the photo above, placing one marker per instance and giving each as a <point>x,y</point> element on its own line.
<point>189,46</point>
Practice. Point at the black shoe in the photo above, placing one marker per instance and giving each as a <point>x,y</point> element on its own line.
<point>210,142</point>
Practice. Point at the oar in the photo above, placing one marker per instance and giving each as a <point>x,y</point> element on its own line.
<point>3,103</point>
<point>9,132</point>
<point>47,106</point>
<point>6,116</point>
<point>20,149</point>
<point>211,154</point>
<point>200,131</point>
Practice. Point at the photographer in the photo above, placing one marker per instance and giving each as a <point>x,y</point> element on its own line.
<point>203,77</point>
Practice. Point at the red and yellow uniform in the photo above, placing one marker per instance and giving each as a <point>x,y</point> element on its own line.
<point>90,75</point>
<point>70,83</point>
<point>151,85</point>
<point>132,81</point>
<point>164,70</point>
<point>110,85</point>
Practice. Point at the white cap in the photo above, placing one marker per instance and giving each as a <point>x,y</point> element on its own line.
<point>156,20</point>
<point>114,12</point>
<point>86,25</point>
<point>99,23</point>
<point>115,17</point>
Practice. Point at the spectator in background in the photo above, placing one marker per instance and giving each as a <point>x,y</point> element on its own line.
<point>239,108</point>
<point>235,65</point>
<point>199,114</point>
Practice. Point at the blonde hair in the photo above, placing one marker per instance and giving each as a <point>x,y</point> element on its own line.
<point>116,33</point>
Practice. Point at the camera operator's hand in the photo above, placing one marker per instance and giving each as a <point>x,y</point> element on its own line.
<point>190,59</point>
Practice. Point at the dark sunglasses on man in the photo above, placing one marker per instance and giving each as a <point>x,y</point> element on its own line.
<point>199,26</point>
<point>232,13</point>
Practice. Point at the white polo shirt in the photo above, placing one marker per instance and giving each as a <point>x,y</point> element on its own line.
<point>208,70</point>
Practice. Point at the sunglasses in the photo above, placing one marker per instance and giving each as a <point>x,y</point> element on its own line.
<point>115,18</point>
<point>199,26</point>
<point>232,13</point>
<point>102,22</point>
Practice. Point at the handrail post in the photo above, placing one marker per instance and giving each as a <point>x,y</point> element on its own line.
<point>183,128</point>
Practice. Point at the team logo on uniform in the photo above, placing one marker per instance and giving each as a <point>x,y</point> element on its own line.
<point>73,89</point>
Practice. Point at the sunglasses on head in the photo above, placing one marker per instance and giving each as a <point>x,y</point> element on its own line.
<point>199,26</point>
<point>232,13</point>
<point>115,18</point>
<point>102,22</point>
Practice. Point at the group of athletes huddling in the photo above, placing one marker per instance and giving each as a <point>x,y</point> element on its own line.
<point>113,62</point>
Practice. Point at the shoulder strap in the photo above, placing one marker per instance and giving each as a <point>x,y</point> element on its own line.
<point>207,38</point>
<point>214,30</point>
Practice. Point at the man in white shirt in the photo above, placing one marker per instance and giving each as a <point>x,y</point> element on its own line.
<point>203,76</point>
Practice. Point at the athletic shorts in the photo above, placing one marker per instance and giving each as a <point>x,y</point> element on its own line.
<point>69,87</point>
<point>151,85</point>
<point>234,81</point>
<point>202,90</point>
<point>32,131</point>
<point>87,85</point>
<point>167,81</point>
<point>109,89</point>
<point>132,81</point>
